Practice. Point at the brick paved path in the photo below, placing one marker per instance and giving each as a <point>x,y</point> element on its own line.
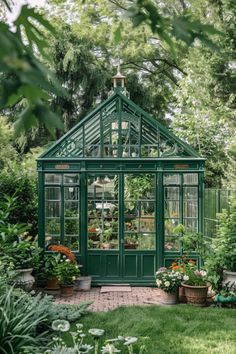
<point>110,300</point>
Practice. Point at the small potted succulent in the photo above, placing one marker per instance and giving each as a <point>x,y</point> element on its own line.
<point>67,271</point>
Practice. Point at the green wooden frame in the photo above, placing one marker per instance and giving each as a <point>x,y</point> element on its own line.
<point>69,155</point>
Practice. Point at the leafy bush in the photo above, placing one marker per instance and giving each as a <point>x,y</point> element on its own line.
<point>23,187</point>
<point>223,255</point>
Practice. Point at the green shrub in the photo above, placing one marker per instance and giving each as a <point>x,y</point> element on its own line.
<point>22,186</point>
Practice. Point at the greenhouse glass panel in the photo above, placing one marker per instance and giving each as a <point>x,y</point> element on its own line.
<point>103,212</point>
<point>139,212</point>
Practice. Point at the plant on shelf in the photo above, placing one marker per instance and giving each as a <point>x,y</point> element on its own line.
<point>168,281</point>
<point>136,187</point>
<point>105,238</point>
<point>71,223</point>
<point>131,241</point>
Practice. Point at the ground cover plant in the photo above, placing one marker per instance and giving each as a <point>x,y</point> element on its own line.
<point>179,329</point>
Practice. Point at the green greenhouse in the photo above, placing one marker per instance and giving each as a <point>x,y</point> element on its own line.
<point>114,189</point>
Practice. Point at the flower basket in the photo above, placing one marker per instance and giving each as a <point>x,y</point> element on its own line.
<point>168,281</point>
<point>196,295</point>
<point>169,298</point>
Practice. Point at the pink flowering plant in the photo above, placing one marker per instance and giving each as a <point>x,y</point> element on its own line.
<point>194,276</point>
<point>168,280</point>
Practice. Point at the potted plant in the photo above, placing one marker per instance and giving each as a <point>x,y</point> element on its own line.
<point>195,285</point>
<point>105,238</point>
<point>25,257</point>
<point>168,281</point>
<point>67,271</point>
<point>50,269</point>
<point>131,241</point>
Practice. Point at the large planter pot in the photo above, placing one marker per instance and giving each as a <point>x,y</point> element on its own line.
<point>52,284</point>
<point>229,277</point>
<point>168,298</point>
<point>67,290</point>
<point>83,283</point>
<point>24,279</point>
<point>182,297</point>
<point>196,295</point>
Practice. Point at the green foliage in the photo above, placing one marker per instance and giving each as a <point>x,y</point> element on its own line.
<point>9,233</point>
<point>182,27</point>
<point>195,277</point>
<point>67,272</point>
<point>223,246</point>
<point>18,325</point>
<point>50,263</point>
<point>23,255</point>
<point>23,76</point>
<point>23,187</point>
<point>8,153</point>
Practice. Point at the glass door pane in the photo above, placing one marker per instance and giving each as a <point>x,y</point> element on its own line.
<point>103,212</point>
<point>139,212</point>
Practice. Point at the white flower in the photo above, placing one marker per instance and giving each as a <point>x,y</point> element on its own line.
<point>96,332</point>
<point>67,260</point>
<point>130,340</point>
<point>203,273</point>
<point>85,348</point>
<point>73,278</point>
<point>109,348</point>
<point>61,325</point>
<point>185,277</point>
<point>159,282</point>
<point>167,284</point>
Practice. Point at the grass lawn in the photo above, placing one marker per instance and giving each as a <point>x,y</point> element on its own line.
<point>179,329</point>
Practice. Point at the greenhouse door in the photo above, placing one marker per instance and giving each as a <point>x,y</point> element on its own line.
<point>139,227</point>
<point>121,227</point>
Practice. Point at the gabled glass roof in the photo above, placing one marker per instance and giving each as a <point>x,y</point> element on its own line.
<point>119,128</point>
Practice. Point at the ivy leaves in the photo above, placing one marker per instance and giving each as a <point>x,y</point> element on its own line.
<point>24,79</point>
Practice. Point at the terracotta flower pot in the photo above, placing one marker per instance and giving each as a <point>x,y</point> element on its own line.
<point>67,290</point>
<point>52,284</point>
<point>169,298</point>
<point>196,295</point>
<point>182,297</point>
